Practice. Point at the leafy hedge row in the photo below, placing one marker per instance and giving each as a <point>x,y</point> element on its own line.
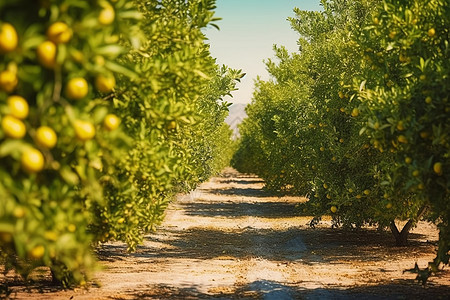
<point>358,118</point>
<point>108,110</point>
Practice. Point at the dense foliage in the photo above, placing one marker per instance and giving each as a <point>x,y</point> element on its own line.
<point>107,110</point>
<point>358,118</point>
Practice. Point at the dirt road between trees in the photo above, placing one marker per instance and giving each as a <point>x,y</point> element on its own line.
<point>229,239</point>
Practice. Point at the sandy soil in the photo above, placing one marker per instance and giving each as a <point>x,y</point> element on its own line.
<point>231,240</point>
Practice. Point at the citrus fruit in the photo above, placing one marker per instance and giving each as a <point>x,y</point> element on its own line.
<point>18,107</point>
<point>111,122</point>
<point>333,209</point>
<point>431,32</point>
<point>105,84</point>
<point>8,38</point>
<point>46,137</point>
<point>59,33</point>
<point>106,15</point>
<point>37,252</point>
<point>437,168</point>
<point>355,112</point>
<point>13,127</point>
<point>8,81</point>
<point>32,160</point>
<point>46,54</point>
<point>76,88</point>
<point>402,139</point>
<point>172,125</point>
<point>84,130</point>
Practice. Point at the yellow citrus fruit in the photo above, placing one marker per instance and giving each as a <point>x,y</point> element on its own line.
<point>333,209</point>
<point>121,220</point>
<point>421,186</point>
<point>59,33</point>
<point>416,173</point>
<point>428,100</point>
<point>105,84</point>
<point>389,205</point>
<point>172,125</point>
<point>431,32</point>
<point>106,15</point>
<point>84,130</point>
<point>358,196</point>
<point>37,252</point>
<point>408,160</point>
<point>400,126</point>
<point>8,38</point>
<point>71,227</point>
<point>322,149</point>
<point>46,137</point>
<point>424,134</point>
<point>8,81</point>
<point>402,139</point>
<point>46,54</point>
<point>18,107</point>
<point>77,88</point>
<point>437,168</point>
<point>355,112</point>
<point>366,192</point>
<point>32,160</point>
<point>13,127</point>
<point>111,122</point>
<point>325,186</point>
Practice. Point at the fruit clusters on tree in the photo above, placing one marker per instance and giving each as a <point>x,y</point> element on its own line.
<point>107,110</point>
<point>358,119</point>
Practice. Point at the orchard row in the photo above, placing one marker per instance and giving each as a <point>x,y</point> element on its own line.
<point>108,109</point>
<point>358,119</point>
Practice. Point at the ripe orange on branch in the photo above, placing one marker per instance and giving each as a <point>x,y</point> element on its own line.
<point>59,33</point>
<point>77,88</point>
<point>46,137</point>
<point>8,38</point>
<point>8,81</point>
<point>84,130</point>
<point>18,107</point>
<point>111,122</point>
<point>46,54</point>
<point>32,160</point>
<point>13,127</point>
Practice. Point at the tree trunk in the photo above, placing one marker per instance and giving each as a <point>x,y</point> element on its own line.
<point>401,237</point>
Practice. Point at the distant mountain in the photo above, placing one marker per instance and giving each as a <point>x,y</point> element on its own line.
<point>235,117</point>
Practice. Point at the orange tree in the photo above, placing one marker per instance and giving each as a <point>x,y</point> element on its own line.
<point>404,103</point>
<point>55,125</point>
<point>342,120</point>
<point>163,111</point>
<point>94,100</point>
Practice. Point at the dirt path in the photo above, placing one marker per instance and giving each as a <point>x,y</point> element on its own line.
<point>230,239</point>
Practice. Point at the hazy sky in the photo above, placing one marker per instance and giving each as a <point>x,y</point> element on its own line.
<point>248,31</point>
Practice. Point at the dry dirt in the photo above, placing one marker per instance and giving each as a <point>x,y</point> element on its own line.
<point>231,240</point>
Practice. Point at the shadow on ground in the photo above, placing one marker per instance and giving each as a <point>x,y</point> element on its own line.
<point>271,290</point>
<point>307,245</point>
<point>241,209</point>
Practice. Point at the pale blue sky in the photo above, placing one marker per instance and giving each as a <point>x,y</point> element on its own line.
<point>248,31</point>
